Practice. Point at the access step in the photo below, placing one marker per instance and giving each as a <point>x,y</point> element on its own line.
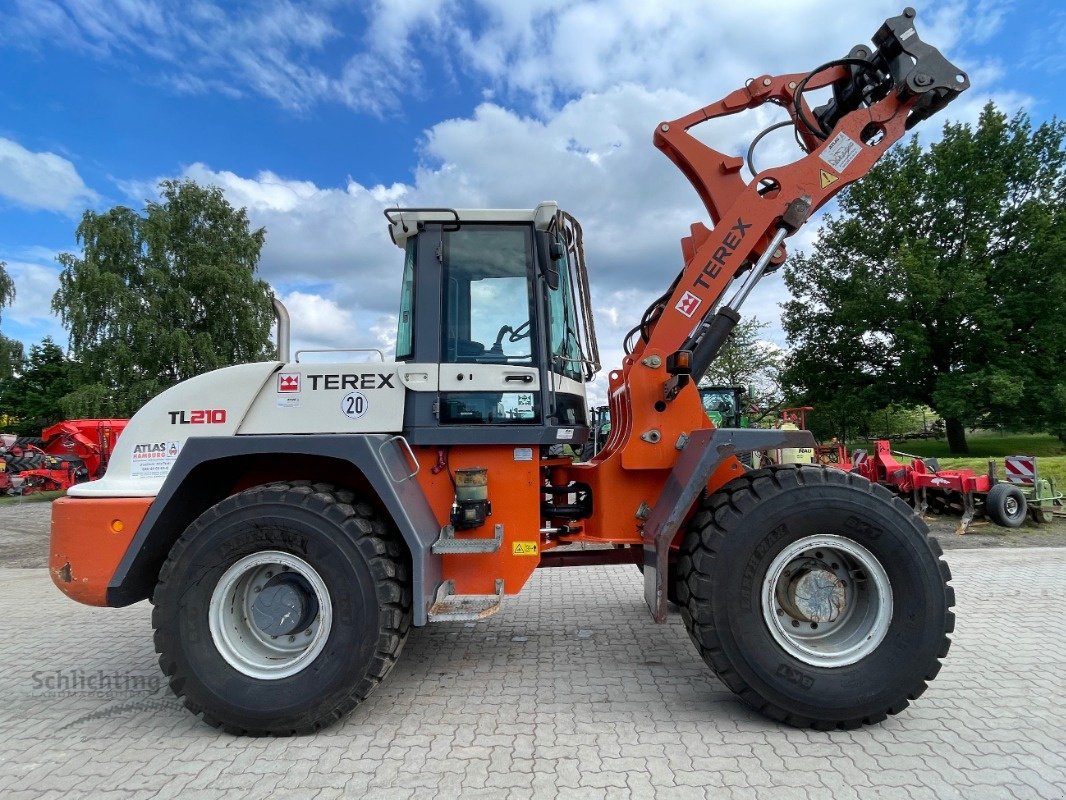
<point>451,607</point>
<point>448,544</point>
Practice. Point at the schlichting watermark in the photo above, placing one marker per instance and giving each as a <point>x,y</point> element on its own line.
<point>70,682</point>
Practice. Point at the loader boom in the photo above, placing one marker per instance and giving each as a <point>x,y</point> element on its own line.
<point>878,94</point>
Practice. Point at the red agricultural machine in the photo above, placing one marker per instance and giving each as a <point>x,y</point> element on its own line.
<point>930,488</point>
<point>69,452</point>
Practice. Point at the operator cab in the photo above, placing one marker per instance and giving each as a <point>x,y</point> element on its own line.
<point>499,299</point>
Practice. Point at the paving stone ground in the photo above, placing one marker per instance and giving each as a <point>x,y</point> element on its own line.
<point>570,691</point>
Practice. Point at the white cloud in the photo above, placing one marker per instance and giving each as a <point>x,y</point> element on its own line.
<point>40,180</point>
<point>600,75</point>
<point>34,286</point>
<point>372,58</point>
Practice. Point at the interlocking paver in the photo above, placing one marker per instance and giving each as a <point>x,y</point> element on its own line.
<point>571,690</point>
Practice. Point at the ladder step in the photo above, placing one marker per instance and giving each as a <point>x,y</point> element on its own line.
<point>447,543</point>
<point>450,607</point>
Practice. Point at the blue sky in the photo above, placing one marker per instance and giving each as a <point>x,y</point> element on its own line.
<point>318,115</point>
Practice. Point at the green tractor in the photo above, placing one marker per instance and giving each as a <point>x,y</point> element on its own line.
<point>726,405</point>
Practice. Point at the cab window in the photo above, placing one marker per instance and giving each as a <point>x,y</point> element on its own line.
<point>487,309</point>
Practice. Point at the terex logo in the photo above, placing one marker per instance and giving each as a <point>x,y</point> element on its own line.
<point>214,416</point>
<point>361,380</point>
<point>724,251</point>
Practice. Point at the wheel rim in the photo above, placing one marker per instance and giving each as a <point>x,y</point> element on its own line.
<point>1010,505</point>
<point>270,615</point>
<point>827,601</point>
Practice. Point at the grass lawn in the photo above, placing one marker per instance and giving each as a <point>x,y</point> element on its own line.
<point>36,497</point>
<point>1050,452</point>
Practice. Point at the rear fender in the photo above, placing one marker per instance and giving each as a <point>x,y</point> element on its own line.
<point>207,467</point>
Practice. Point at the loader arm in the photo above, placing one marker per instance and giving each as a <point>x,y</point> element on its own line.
<point>879,92</point>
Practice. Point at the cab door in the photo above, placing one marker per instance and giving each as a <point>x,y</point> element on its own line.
<point>490,370</point>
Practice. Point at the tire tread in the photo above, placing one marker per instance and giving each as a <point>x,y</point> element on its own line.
<point>383,552</point>
<point>719,514</point>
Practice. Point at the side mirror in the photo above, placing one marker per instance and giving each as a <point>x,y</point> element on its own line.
<point>548,250</point>
<point>551,277</point>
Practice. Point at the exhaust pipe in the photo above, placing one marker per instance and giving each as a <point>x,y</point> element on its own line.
<point>282,315</point>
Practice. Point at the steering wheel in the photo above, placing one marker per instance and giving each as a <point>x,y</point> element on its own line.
<point>512,334</point>
<point>516,334</point>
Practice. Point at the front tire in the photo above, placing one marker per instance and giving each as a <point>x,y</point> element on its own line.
<point>281,608</point>
<point>816,596</point>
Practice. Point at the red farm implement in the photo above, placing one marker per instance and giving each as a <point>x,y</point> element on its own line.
<point>963,490</point>
<point>69,452</point>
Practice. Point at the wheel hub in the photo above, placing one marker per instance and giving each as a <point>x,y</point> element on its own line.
<point>814,594</point>
<point>285,605</point>
<point>827,600</point>
<point>270,615</point>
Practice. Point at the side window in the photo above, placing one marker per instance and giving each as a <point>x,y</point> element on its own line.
<point>562,333</point>
<point>405,326</point>
<point>486,295</point>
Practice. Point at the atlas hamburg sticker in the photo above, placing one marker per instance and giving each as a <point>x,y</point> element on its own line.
<point>153,459</point>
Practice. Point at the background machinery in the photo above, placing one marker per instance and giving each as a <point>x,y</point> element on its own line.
<point>292,520</point>
<point>69,452</point>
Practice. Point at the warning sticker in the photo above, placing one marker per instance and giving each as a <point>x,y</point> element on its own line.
<point>153,459</point>
<point>525,549</point>
<point>840,152</point>
<point>828,178</point>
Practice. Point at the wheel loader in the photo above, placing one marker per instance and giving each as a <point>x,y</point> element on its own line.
<point>290,521</point>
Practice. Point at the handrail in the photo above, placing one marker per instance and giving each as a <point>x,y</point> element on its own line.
<point>282,315</point>
<point>381,355</point>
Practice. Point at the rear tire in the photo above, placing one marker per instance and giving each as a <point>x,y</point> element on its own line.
<point>326,586</point>
<point>30,459</point>
<point>827,546</point>
<point>1005,505</point>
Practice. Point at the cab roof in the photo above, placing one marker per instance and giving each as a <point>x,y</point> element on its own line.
<point>406,222</point>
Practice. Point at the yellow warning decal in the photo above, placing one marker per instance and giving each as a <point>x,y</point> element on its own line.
<point>828,178</point>
<point>525,548</point>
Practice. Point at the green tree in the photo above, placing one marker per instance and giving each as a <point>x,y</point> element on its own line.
<point>11,351</point>
<point>748,360</point>
<point>157,298</point>
<point>942,282</point>
<point>33,396</point>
